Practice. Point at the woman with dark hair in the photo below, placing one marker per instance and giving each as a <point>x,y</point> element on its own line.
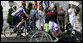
<point>41,16</point>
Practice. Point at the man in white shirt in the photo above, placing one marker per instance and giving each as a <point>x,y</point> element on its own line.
<point>72,15</point>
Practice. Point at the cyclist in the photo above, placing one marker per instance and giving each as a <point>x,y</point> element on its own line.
<point>50,19</point>
<point>53,27</point>
<point>18,13</point>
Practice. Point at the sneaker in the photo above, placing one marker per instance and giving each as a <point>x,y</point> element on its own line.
<point>15,29</point>
<point>21,31</point>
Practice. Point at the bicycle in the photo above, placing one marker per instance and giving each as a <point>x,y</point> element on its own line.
<point>69,37</point>
<point>42,34</point>
<point>25,33</point>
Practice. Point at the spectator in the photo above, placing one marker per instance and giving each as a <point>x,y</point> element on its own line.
<point>9,17</point>
<point>14,20</point>
<point>27,21</point>
<point>14,8</point>
<point>51,12</point>
<point>33,14</point>
<point>72,15</point>
<point>55,12</point>
<point>61,14</point>
<point>30,6</point>
<point>1,21</point>
<point>22,3</point>
<point>41,16</point>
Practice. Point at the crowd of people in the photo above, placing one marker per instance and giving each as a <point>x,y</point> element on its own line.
<point>52,15</point>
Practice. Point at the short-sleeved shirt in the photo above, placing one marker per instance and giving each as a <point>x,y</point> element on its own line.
<point>53,26</point>
<point>32,13</point>
<point>18,12</point>
<point>72,12</point>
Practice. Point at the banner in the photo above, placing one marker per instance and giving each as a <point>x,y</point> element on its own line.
<point>50,2</point>
<point>46,3</point>
<point>35,3</point>
<point>40,3</point>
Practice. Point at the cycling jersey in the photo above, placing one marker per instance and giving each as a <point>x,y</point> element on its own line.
<point>18,12</point>
<point>46,27</point>
<point>53,26</point>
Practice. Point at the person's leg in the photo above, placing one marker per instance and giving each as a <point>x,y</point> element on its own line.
<point>63,33</point>
<point>59,33</point>
<point>19,24</point>
<point>74,22</point>
<point>42,23</point>
<point>31,26</point>
<point>71,21</point>
<point>13,21</point>
<point>28,24</point>
<point>60,24</point>
<point>34,25</point>
<point>39,23</point>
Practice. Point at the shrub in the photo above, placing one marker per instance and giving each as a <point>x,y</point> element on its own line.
<point>80,15</point>
<point>9,17</point>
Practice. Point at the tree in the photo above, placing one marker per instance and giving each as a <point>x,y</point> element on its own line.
<point>9,17</point>
<point>80,15</point>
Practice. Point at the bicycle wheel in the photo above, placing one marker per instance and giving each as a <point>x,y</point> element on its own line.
<point>36,28</point>
<point>40,36</point>
<point>32,32</point>
<point>24,34</point>
<point>9,33</point>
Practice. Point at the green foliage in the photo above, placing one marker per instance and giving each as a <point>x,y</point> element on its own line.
<point>80,15</point>
<point>9,17</point>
